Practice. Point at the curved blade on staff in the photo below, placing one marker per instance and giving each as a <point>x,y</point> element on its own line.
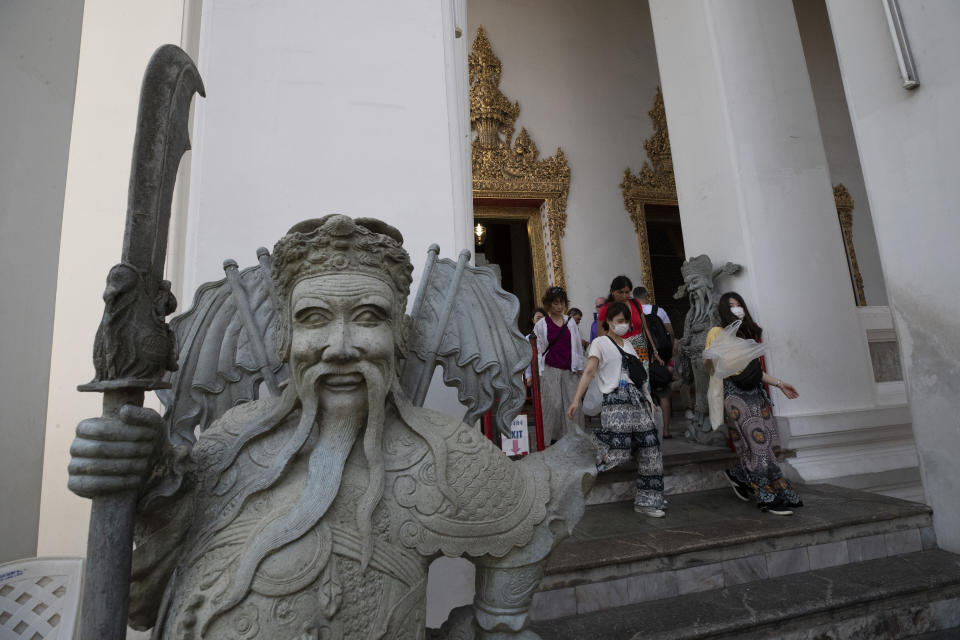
<point>134,347</point>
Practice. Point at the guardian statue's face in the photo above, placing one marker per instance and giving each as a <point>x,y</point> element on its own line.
<point>342,340</point>
<point>696,282</point>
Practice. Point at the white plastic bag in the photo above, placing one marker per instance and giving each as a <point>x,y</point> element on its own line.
<point>592,399</point>
<point>715,401</point>
<point>729,355</point>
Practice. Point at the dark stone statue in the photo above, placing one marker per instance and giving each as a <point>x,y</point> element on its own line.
<point>700,285</point>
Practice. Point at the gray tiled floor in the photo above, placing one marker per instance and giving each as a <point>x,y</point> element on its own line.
<point>710,540</point>
<point>727,611</point>
<point>613,533</point>
<point>782,563</point>
<point>829,554</point>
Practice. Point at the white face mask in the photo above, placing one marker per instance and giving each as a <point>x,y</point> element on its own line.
<point>621,329</point>
<point>737,311</point>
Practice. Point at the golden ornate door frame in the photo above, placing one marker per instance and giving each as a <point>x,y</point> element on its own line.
<point>505,168</point>
<point>532,217</point>
<point>844,204</point>
<point>654,184</point>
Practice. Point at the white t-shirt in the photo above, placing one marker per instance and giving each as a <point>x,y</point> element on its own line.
<point>608,370</point>
<point>648,308</point>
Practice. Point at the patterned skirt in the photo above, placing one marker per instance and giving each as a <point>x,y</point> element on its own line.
<point>626,430</point>
<point>749,417</point>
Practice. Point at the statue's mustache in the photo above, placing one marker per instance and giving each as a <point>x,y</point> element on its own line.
<point>312,375</point>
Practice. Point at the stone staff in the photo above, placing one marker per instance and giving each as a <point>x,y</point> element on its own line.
<point>134,347</point>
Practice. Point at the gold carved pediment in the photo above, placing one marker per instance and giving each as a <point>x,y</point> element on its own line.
<point>508,168</point>
<point>653,184</point>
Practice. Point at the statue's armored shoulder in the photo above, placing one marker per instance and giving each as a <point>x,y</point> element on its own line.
<point>239,425</point>
<point>466,496</point>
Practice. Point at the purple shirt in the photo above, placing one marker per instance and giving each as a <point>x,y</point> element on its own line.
<point>559,355</point>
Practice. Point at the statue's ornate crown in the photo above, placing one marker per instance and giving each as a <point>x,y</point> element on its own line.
<point>701,265</point>
<point>337,244</point>
<point>340,244</point>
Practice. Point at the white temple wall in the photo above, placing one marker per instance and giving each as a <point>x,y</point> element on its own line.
<point>357,108</point>
<point>117,40</point>
<point>585,75</point>
<point>908,143</point>
<point>755,188</point>
<point>39,44</point>
<point>325,108</point>
<point>838,141</point>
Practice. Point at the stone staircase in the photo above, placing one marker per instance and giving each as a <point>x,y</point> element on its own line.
<point>687,467</point>
<point>849,564</point>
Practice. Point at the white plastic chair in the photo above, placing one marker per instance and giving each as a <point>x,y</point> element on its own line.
<point>40,598</point>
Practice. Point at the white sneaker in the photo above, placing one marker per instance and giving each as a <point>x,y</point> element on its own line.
<point>778,510</point>
<point>650,511</point>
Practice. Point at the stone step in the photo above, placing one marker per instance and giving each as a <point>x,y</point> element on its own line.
<point>897,483</point>
<point>946,634</point>
<point>890,598</point>
<point>687,467</point>
<point>709,539</point>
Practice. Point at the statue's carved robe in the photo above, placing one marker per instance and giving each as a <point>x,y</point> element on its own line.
<point>486,506</point>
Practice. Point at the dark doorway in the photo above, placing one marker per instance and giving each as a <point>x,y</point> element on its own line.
<point>666,257</point>
<point>507,246</point>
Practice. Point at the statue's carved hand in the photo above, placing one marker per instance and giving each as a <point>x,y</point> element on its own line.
<point>112,454</point>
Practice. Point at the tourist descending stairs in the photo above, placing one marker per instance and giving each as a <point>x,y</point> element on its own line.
<point>850,565</point>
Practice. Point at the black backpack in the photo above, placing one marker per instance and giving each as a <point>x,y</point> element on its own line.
<point>661,339</point>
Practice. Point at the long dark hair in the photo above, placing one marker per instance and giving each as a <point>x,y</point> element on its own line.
<point>619,283</point>
<point>613,309</point>
<point>748,328</point>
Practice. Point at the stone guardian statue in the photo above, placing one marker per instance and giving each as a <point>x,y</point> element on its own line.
<point>315,513</point>
<point>700,285</point>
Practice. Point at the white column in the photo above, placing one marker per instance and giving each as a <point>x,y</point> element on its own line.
<point>116,41</point>
<point>908,142</point>
<point>39,44</point>
<point>353,107</point>
<point>754,188</point>
<point>357,108</point>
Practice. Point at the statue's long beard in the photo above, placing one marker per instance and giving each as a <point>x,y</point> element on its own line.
<point>337,435</point>
<point>703,308</point>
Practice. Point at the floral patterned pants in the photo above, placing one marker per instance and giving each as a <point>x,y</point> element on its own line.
<point>749,416</point>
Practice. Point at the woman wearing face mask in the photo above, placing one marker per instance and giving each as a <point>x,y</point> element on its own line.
<point>626,414</point>
<point>558,343</point>
<point>620,289</point>
<point>637,334</point>
<point>748,415</point>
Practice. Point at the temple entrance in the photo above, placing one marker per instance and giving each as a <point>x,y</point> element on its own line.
<point>666,256</point>
<point>502,239</point>
<point>650,198</point>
